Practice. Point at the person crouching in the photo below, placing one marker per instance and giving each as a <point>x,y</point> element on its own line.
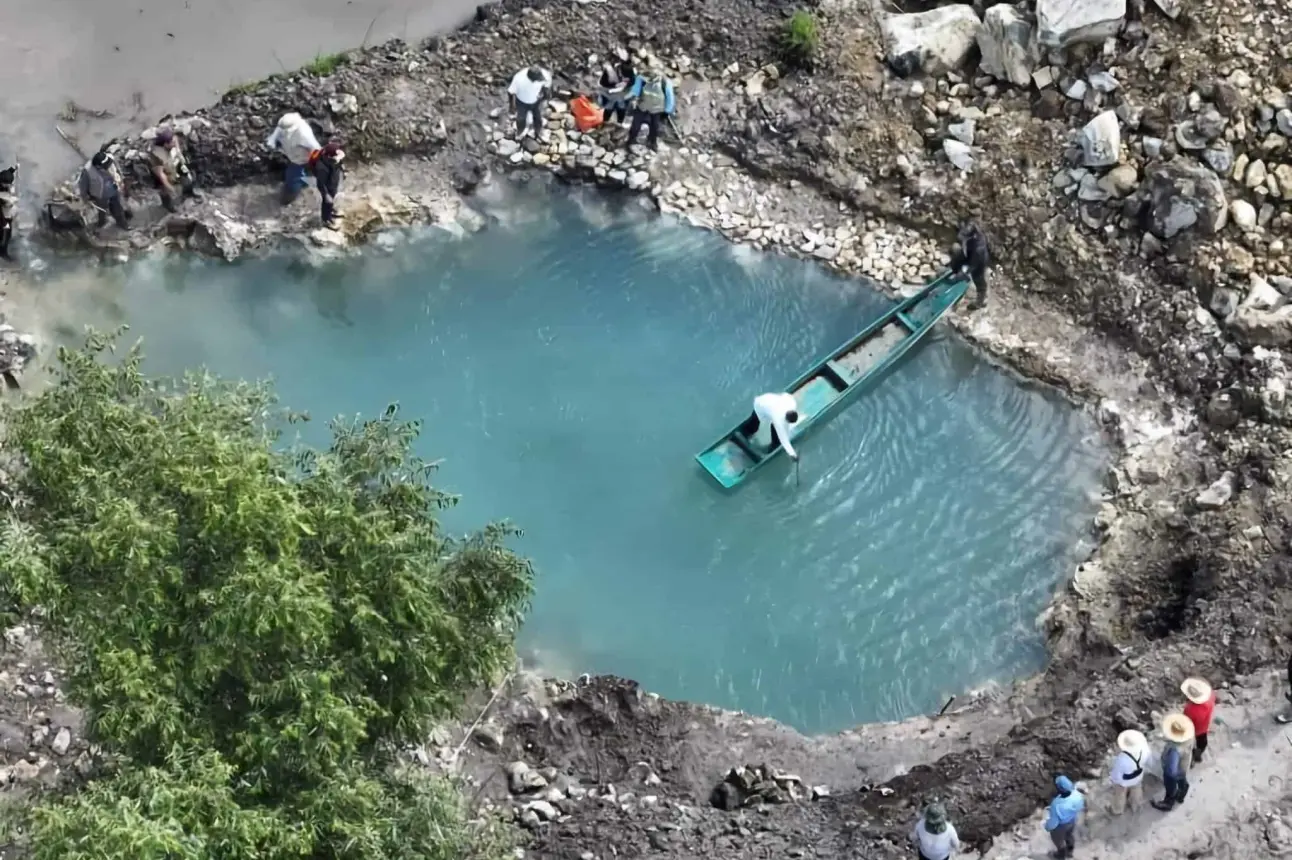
<point>294,138</point>
<point>328,173</point>
<point>170,169</point>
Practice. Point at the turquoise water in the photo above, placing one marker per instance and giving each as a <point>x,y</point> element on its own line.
<point>570,361</point>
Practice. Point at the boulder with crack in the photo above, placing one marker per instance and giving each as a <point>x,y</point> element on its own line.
<point>1182,195</point>
<point>1060,23</point>
<point>1007,45</point>
<point>937,40</point>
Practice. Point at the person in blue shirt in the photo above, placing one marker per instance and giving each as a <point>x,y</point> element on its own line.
<point>1061,819</point>
<point>1176,758</point>
<point>652,97</point>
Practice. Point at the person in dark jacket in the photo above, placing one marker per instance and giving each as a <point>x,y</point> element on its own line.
<point>328,173</point>
<point>102,185</point>
<point>972,257</point>
<point>616,78</point>
<point>8,207</point>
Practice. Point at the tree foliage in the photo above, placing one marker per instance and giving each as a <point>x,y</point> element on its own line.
<point>253,630</point>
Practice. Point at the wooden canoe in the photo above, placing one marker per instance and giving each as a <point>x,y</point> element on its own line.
<point>833,381</point>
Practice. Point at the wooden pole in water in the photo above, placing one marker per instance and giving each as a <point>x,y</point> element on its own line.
<point>797,482</point>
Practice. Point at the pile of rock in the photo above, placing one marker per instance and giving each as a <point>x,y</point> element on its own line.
<point>545,795</point>
<point>753,785</point>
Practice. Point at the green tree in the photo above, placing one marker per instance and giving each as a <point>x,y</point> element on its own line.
<point>253,630</point>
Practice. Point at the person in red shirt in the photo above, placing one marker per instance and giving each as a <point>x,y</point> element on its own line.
<point>1202,703</point>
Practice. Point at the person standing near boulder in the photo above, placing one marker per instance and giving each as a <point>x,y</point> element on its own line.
<point>527,95</point>
<point>101,184</point>
<point>616,78</point>
<point>1176,758</point>
<point>1061,817</point>
<point>327,174</point>
<point>1199,709</point>
<point>972,257</point>
<point>654,100</point>
<point>170,169</point>
<point>8,208</point>
<point>1127,772</point>
<point>935,837</point>
<point>294,138</point>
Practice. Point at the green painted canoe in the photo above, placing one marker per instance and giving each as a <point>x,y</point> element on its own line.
<point>832,382</point>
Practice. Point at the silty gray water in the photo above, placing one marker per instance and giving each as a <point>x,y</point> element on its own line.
<point>571,360</point>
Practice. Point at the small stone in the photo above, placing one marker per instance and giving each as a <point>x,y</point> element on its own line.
<point>1255,175</point>
<point>638,179</point>
<point>958,154</point>
<point>343,104</point>
<point>543,809</point>
<point>1077,91</point>
<point>1104,82</point>
<point>1261,295</point>
<point>1284,121</point>
<point>1101,140</point>
<point>1244,214</point>
<point>488,736</point>
<point>63,740</point>
<point>1120,181</point>
<point>962,131</point>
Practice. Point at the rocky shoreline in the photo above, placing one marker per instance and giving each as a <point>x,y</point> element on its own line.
<point>1143,270</point>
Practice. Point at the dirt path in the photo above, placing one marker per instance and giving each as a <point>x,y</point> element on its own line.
<point>138,59</point>
<point>1238,803</point>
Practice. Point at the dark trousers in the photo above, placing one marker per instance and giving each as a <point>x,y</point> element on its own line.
<point>329,209</point>
<point>751,425</point>
<point>651,121</point>
<point>1176,790</point>
<point>979,277</point>
<point>1199,746</point>
<point>1064,838</point>
<point>524,112</point>
<point>185,190</point>
<point>6,233</point>
<point>116,209</point>
<point>616,109</point>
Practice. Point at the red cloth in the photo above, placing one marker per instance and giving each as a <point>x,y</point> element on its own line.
<point>1200,715</point>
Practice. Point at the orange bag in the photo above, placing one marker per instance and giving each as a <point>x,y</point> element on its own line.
<point>587,115</point>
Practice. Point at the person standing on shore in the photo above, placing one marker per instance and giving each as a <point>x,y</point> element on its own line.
<point>935,837</point>
<point>527,95</point>
<point>328,173</point>
<point>101,184</point>
<point>653,94</point>
<point>972,257</point>
<point>1061,818</point>
<point>1199,709</point>
<point>1176,758</point>
<point>170,168</point>
<point>1127,772</point>
<point>8,208</point>
<point>616,78</point>
<point>294,138</point>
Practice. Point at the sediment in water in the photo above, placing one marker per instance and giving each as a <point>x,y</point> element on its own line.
<point>1183,583</point>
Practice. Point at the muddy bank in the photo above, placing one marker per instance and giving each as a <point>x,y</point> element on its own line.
<point>1123,278</point>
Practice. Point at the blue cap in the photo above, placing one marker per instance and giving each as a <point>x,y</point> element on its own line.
<point>1064,784</point>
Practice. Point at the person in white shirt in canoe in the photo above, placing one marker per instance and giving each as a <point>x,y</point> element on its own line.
<point>775,413</point>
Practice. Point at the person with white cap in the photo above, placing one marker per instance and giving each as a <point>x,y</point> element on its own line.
<point>1127,771</point>
<point>777,412</point>
<point>1176,758</point>
<point>1201,706</point>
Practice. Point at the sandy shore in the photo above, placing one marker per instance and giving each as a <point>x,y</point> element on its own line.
<point>140,59</point>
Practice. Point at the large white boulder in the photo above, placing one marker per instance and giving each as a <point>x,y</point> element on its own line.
<point>1060,23</point>
<point>1005,41</point>
<point>941,38</point>
<point>1101,141</point>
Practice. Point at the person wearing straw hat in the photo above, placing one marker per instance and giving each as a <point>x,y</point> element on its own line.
<point>1061,817</point>
<point>1176,758</point>
<point>1202,704</point>
<point>1127,771</point>
<point>934,836</point>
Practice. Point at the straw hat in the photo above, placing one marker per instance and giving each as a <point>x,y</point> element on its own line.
<point>1196,690</point>
<point>1133,742</point>
<point>1177,728</point>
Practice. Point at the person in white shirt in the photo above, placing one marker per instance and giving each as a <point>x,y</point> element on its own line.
<point>934,835</point>
<point>294,138</point>
<point>1127,771</point>
<point>776,412</point>
<point>527,93</point>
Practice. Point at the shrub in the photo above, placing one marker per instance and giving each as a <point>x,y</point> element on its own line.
<point>325,64</point>
<point>800,40</point>
<point>251,629</point>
